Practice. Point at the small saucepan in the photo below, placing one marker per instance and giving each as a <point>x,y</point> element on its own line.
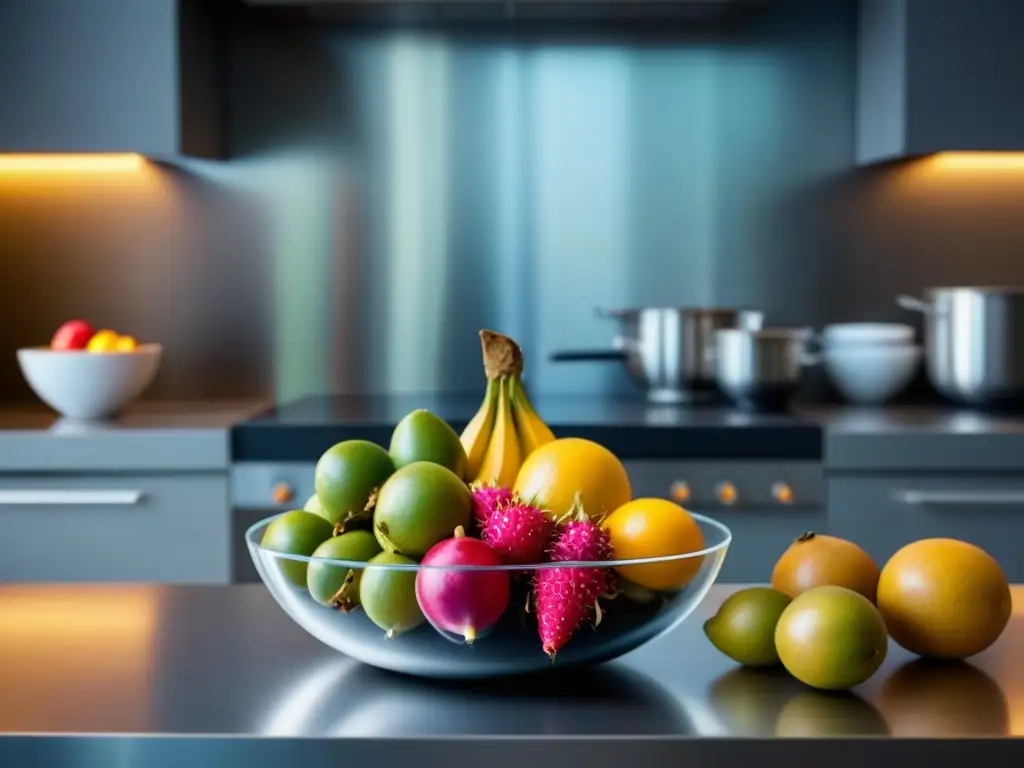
<point>760,370</point>
<point>670,352</point>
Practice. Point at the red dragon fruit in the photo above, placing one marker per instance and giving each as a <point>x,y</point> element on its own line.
<point>463,603</point>
<point>566,597</point>
<point>487,497</point>
<point>519,532</point>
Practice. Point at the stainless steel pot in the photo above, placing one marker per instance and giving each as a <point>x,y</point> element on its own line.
<point>974,343</point>
<point>668,351</point>
<point>761,370</point>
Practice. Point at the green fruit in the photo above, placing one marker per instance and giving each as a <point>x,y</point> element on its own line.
<point>313,505</point>
<point>295,533</point>
<point>346,477</point>
<point>335,585</point>
<point>831,638</point>
<point>418,506</point>
<point>744,627</point>
<point>388,596</point>
<point>422,436</point>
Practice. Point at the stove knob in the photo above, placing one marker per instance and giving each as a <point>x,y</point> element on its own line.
<point>282,493</point>
<point>680,492</point>
<point>727,493</point>
<point>782,493</point>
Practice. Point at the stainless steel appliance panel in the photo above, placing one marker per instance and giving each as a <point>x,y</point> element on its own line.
<point>765,504</point>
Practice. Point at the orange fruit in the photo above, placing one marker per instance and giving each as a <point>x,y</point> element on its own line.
<point>944,598</point>
<point>817,560</point>
<point>553,474</point>
<point>655,528</point>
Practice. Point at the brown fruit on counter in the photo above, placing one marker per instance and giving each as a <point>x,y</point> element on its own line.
<point>944,598</point>
<point>817,560</point>
<point>931,698</point>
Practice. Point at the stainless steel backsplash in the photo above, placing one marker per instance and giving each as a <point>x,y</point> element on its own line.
<point>393,192</point>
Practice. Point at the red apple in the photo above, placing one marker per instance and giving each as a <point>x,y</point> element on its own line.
<point>74,334</point>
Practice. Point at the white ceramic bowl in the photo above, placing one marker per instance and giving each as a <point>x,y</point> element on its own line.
<point>871,374</point>
<point>89,385</point>
<point>860,334</point>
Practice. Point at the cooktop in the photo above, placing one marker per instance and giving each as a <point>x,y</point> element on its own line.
<point>633,429</point>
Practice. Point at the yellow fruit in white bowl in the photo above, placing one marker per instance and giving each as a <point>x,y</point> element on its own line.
<point>85,385</point>
<point>103,341</point>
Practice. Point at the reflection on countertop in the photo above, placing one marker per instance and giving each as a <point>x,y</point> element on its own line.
<point>227,660</point>
<point>348,699</point>
<point>922,419</point>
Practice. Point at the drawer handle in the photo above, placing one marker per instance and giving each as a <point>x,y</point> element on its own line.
<point>73,498</point>
<point>983,498</point>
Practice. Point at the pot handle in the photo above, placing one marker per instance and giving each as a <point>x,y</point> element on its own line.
<point>914,304</point>
<point>587,355</point>
<point>809,358</point>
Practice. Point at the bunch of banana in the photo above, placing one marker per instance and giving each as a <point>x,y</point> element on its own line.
<point>506,429</point>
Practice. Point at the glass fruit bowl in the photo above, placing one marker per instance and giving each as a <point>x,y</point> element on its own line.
<point>468,621</point>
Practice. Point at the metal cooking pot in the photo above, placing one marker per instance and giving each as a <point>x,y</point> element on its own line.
<point>974,343</point>
<point>668,351</point>
<point>761,370</point>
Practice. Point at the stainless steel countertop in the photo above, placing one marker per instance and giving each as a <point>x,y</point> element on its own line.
<point>105,659</point>
<point>149,436</point>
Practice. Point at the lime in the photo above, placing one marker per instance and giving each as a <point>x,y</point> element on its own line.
<point>744,627</point>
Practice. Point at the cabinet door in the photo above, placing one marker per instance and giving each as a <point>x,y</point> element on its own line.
<point>88,76</point>
<point>884,513</point>
<point>115,528</point>
<point>964,72</point>
<point>762,528</point>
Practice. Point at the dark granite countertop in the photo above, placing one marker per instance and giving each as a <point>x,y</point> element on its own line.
<point>633,429</point>
<point>96,675</point>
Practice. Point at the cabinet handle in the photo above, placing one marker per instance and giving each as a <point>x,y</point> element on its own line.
<point>983,498</point>
<point>72,497</point>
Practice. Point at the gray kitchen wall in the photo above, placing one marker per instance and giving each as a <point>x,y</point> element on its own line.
<point>392,192</point>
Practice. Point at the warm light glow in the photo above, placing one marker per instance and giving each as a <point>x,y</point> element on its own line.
<point>121,617</point>
<point>976,161</point>
<point>66,646</point>
<point>70,164</point>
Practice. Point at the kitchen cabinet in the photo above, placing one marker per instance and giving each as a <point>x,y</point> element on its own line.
<point>939,75</point>
<point>762,527</point>
<point>883,514</point>
<point>118,528</point>
<point>111,76</point>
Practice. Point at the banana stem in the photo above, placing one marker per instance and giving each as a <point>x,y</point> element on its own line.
<point>502,356</point>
